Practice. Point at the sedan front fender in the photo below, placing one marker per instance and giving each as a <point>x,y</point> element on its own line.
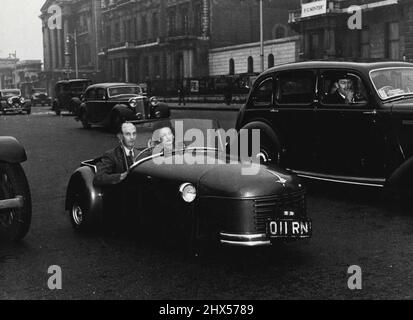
<point>11,150</point>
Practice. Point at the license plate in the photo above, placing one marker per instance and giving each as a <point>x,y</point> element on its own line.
<point>290,229</point>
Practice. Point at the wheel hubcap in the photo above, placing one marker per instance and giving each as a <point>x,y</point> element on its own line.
<point>77,214</point>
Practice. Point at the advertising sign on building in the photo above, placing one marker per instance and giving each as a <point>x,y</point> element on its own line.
<point>195,86</point>
<point>313,8</point>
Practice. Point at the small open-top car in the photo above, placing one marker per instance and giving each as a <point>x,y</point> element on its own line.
<point>109,104</point>
<point>11,100</point>
<point>197,189</point>
<point>15,199</point>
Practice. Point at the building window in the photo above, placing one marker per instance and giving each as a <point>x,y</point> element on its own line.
<point>231,67</point>
<point>393,48</point>
<point>198,19</point>
<point>157,67</point>
<point>155,25</point>
<point>184,20</point>
<point>365,43</point>
<point>270,60</point>
<point>117,32</point>
<point>250,65</point>
<point>144,26</point>
<point>279,31</point>
<point>135,28</point>
<point>108,36</point>
<point>171,21</point>
<point>146,68</point>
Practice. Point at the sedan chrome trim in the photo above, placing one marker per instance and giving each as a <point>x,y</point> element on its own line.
<point>379,183</point>
<point>14,203</point>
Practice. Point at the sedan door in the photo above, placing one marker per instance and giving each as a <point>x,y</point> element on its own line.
<point>352,141</point>
<point>294,117</point>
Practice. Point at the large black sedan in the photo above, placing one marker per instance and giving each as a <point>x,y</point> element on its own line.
<point>198,190</point>
<point>11,100</point>
<point>109,104</point>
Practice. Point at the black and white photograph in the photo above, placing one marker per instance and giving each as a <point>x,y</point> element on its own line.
<point>206,154</point>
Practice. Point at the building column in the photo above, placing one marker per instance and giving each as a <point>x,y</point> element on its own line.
<point>126,69</point>
<point>46,47</point>
<point>53,59</point>
<point>60,48</point>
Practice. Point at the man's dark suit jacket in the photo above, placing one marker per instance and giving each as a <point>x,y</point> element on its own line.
<point>335,98</point>
<point>111,166</point>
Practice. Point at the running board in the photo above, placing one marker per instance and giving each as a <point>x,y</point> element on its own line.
<point>372,182</point>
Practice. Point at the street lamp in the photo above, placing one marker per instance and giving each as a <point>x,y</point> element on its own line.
<point>67,54</point>
<point>262,34</point>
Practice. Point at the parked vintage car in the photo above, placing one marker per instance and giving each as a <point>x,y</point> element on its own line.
<point>11,100</point>
<point>342,122</point>
<point>15,199</point>
<point>68,95</point>
<point>40,96</point>
<point>109,104</point>
<point>198,191</point>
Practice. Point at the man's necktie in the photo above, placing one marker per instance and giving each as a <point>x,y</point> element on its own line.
<point>129,158</point>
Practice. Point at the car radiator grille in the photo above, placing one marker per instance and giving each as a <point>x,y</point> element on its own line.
<point>273,207</point>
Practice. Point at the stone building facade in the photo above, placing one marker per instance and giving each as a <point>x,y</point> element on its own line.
<point>171,39</point>
<point>71,48</point>
<point>386,30</point>
<point>7,72</point>
<point>245,58</point>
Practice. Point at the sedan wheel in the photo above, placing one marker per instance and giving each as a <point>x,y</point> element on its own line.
<point>15,222</point>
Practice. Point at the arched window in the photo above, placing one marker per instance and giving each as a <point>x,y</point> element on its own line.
<point>250,65</point>
<point>231,67</point>
<point>270,60</point>
<point>279,31</point>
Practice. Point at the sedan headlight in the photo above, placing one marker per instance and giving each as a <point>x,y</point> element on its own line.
<point>188,192</point>
<point>153,101</point>
<point>10,100</point>
<point>133,103</point>
<point>22,100</point>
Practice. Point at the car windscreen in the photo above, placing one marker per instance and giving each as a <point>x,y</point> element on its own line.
<point>392,82</point>
<point>197,133</point>
<point>126,90</point>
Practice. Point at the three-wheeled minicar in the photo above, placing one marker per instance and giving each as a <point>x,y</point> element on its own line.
<point>15,198</point>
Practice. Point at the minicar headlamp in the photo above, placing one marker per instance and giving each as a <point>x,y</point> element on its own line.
<point>188,192</point>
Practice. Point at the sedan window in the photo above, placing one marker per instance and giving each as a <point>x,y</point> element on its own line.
<point>296,87</point>
<point>342,88</point>
<point>100,94</point>
<point>90,95</point>
<point>262,95</point>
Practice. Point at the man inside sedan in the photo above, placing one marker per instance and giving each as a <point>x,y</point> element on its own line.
<point>343,89</point>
